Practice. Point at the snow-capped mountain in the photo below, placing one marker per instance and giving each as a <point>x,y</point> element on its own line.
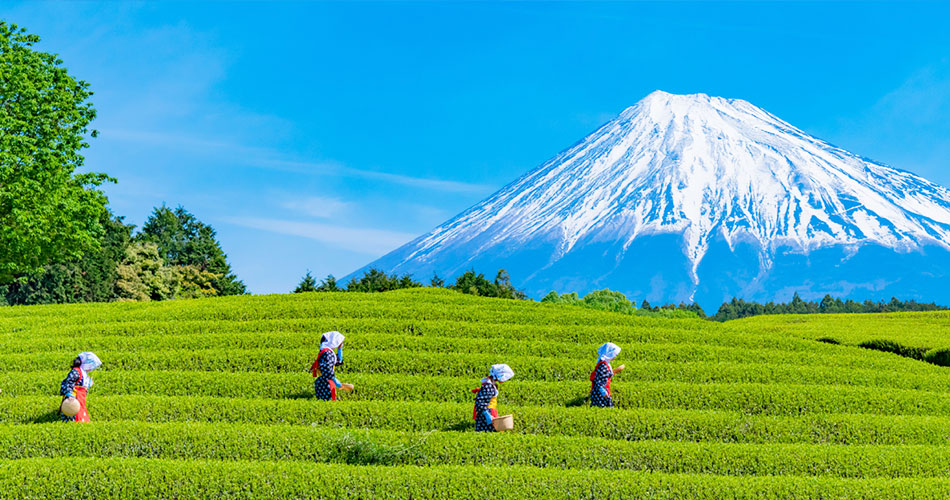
<point>691,197</point>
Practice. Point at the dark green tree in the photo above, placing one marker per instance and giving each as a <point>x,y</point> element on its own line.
<point>374,280</point>
<point>307,284</point>
<point>436,281</point>
<point>183,240</point>
<point>504,289</point>
<point>89,279</point>
<point>407,282</point>
<point>53,284</point>
<point>48,212</point>
<point>329,285</point>
<point>695,308</point>
<point>474,284</point>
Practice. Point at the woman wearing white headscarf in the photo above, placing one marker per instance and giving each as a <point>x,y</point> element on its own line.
<point>77,384</point>
<point>600,378</point>
<point>324,368</point>
<point>486,397</point>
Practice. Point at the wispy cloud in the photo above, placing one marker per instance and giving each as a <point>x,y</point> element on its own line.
<point>923,99</point>
<point>317,206</point>
<point>404,180</point>
<point>261,157</point>
<point>369,241</point>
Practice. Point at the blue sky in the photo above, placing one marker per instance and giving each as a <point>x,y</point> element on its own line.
<point>322,135</point>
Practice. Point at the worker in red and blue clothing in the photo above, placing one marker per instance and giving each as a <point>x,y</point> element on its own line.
<point>600,394</point>
<point>324,368</point>
<point>77,384</point>
<point>486,397</point>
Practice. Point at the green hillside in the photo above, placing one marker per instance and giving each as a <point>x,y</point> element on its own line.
<point>213,398</point>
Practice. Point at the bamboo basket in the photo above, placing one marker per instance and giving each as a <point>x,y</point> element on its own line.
<point>70,407</point>
<point>504,423</point>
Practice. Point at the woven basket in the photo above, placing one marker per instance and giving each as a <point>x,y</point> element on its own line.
<point>70,407</point>
<point>504,423</point>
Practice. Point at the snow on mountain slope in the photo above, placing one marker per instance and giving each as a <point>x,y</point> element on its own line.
<point>698,167</point>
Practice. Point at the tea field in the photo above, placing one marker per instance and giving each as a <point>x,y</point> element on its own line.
<point>919,335</point>
<point>212,398</point>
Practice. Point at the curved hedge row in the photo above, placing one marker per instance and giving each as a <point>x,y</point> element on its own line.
<point>376,334</point>
<point>426,305</point>
<point>630,425</point>
<point>750,398</point>
<point>311,444</point>
<point>140,478</point>
<point>457,364</point>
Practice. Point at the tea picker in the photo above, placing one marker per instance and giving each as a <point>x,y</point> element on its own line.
<point>324,368</point>
<point>75,387</point>
<point>486,401</point>
<point>600,394</point>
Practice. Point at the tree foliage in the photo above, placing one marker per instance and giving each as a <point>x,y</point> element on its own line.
<point>123,269</point>
<point>143,276</point>
<point>376,280</point>
<point>328,284</point>
<point>48,212</point>
<point>192,282</point>
<point>307,284</point>
<point>91,278</point>
<point>474,283</point>
<point>183,240</point>
<point>609,300</point>
<point>602,300</point>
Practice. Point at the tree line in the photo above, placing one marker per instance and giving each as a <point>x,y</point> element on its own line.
<point>609,300</point>
<point>738,308</point>
<point>174,255</point>
<point>470,282</point>
<point>376,280</point>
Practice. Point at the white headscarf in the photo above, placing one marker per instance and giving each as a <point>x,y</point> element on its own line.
<point>608,352</point>
<point>501,373</point>
<point>333,340</point>
<point>89,361</point>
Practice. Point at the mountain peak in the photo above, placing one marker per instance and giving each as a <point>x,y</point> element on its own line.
<point>662,107</point>
<point>661,96</point>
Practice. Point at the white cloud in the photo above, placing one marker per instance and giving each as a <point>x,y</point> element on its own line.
<point>923,99</point>
<point>317,206</point>
<point>259,157</point>
<point>369,241</point>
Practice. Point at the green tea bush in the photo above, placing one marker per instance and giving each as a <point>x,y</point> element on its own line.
<point>894,347</point>
<point>940,357</point>
<point>140,478</point>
